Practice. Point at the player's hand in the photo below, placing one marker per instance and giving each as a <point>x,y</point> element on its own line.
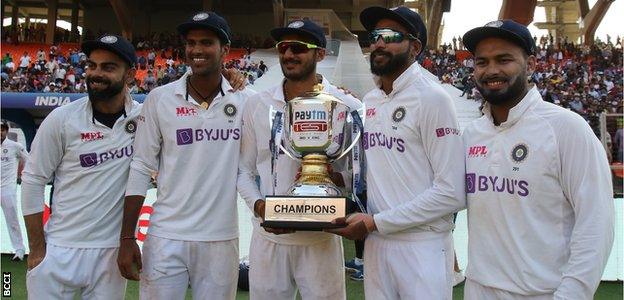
<point>129,255</point>
<point>236,79</point>
<point>259,209</point>
<point>358,226</point>
<point>346,91</point>
<point>35,257</point>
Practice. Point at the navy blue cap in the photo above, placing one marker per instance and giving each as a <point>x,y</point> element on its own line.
<point>305,27</point>
<point>207,20</point>
<point>410,19</point>
<point>113,43</point>
<point>506,29</point>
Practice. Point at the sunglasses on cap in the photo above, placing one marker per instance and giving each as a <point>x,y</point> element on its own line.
<point>296,47</point>
<point>389,36</point>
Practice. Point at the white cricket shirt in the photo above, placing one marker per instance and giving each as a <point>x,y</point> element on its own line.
<point>414,157</point>
<point>256,159</point>
<point>12,154</point>
<point>89,163</point>
<point>540,205</point>
<point>195,152</point>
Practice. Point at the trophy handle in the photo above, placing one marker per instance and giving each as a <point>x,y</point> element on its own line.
<point>355,141</point>
<point>288,153</point>
<point>359,123</point>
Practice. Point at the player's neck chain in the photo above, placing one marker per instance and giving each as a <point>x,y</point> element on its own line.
<point>205,99</point>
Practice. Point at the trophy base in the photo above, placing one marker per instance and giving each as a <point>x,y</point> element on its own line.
<point>306,213</point>
<point>300,226</point>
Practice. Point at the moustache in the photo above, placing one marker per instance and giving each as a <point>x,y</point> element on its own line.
<point>291,60</point>
<point>92,80</point>
<point>493,78</point>
<point>380,52</point>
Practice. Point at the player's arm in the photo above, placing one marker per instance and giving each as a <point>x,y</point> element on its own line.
<point>22,157</point>
<point>445,152</point>
<point>46,155</point>
<point>586,181</point>
<point>147,145</point>
<point>247,172</point>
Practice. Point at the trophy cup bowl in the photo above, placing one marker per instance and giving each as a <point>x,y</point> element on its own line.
<point>317,131</point>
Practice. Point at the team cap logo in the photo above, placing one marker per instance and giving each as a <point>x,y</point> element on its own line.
<point>296,24</point>
<point>230,110</point>
<point>201,16</point>
<point>109,39</point>
<point>399,114</point>
<point>131,126</point>
<point>497,23</point>
<point>519,153</point>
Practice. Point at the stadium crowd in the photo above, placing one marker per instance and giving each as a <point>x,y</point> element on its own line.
<point>586,79</point>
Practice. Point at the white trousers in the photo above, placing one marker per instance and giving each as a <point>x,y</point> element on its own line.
<point>409,269</point>
<point>9,208</point>
<point>276,271</point>
<point>64,272</point>
<point>169,266</point>
<point>475,291</point>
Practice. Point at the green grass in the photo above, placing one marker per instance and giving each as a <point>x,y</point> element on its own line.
<point>355,290</point>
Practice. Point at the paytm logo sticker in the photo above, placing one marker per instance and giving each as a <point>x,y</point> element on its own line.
<point>184,136</point>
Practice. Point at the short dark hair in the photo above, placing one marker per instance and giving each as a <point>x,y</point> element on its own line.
<point>4,126</point>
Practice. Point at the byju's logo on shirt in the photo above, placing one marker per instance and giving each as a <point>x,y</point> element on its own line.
<point>91,136</point>
<point>477,151</point>
<point>93,159</point>
<point>440,132</point>
<point>186,136</point>
<point>480,183</point>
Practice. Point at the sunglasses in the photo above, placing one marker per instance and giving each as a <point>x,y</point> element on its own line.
<point>389,36</point>
<point>296,47</point>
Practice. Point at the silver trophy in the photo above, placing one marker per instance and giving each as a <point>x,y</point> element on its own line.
<point>318,129</point>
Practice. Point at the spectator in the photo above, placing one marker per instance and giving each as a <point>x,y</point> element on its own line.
<point>24,62</point>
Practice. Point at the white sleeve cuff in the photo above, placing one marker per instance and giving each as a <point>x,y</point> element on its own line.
<point>33,198</point>
<point>138,183</point>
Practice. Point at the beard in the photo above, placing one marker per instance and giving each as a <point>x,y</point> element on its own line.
<point>395,62</point>
<point>111,90</point>
<point>500,97</point>
<point>308,68</point>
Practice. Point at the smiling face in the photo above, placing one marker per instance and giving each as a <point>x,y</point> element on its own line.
<point>204,51</point>
<point>500,71</point>
<point>299,66</point>
<point>107,75</point>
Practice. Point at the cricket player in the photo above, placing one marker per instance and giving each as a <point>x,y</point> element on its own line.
<point>540,205</point>
<point>283,261</point>
<point>86,146</point>
<point>414,164</point>
<point>14,156</point>
<point>189,131</point>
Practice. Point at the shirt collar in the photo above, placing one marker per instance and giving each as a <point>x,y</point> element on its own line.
<point>413,71</point>
<point>180,87</point>
<point>128,103</point>
<point>515,113</point>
